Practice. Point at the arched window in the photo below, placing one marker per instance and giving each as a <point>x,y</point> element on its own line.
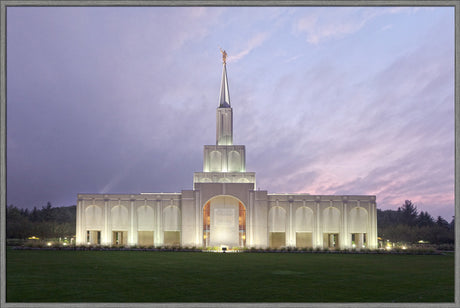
<point>145,218</point>
<point>234,161</point>
<point>93,217</point>
<point>171,218</point>
<point>304,219</point>
<point>277,219</point>
<point>119,215</point>
<point>331,220</point>
<point>357,220</point>
<point>216,161</point>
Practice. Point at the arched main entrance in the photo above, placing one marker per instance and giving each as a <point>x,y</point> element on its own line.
<point>224,222</point>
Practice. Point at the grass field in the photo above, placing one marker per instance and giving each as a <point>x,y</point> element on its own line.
<point>138,276</point>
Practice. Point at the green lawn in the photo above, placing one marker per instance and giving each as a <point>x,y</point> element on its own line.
<point>137,276</point>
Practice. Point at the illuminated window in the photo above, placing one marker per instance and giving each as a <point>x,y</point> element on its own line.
<point>206,223</point>
<point>242,224</point>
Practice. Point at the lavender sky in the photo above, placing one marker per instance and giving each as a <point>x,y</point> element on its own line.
<point>327,100</point>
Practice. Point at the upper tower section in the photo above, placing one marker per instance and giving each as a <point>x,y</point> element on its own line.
<point>224,162</point>
<point>224,114</point>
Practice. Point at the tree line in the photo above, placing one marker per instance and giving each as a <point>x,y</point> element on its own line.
<point>406,224</point>
<point>47,222</point>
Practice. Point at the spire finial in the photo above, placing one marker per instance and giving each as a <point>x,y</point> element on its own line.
<point>224,100</point>
<point>224,55</point>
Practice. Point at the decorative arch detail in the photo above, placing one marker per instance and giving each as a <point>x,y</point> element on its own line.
<point>277,219</point>
<point>145,218</point>
<point>119,217</point>
<point>224,221</point>
<point>215,161</point>
<point>357,220</point>
<point>94,217</point>
<point>304,219</point>
<point>171,218</point>
<point>331,220</point>
<point>234,161</point>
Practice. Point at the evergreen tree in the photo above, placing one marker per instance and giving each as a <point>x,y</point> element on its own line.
<point>35,215</point>
<point>424,219</point>
<point>47,212</point>
<point>408,213</point>
<point>452,223</point>
<point>442,222</point>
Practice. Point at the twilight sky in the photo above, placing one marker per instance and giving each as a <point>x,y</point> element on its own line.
<point>327,100</point>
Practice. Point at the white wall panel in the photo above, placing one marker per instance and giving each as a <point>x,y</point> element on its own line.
<point>119,215</point>
<point>145,218</point>
<point>357,220</point>
<point>277,219</point>
<point>171,219</point>
<point>94,219</point>
<point>304,219</point>
<point>331,220</point>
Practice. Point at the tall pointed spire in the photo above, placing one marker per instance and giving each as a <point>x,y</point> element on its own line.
<point>224,99</point>
<point>224,113</point>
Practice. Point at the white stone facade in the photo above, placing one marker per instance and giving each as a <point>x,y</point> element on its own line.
<point>225,209</point>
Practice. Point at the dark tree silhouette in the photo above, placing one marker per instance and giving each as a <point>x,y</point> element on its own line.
<point>442,222</point>
<point>424,219</point>
<point>405,225</point>
<point>408,213</point>
<point>48,222</point>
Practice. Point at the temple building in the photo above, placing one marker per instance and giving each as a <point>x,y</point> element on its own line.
<point>225,208</point>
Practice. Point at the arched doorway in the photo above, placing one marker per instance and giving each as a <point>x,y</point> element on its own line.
<point>224,222</point>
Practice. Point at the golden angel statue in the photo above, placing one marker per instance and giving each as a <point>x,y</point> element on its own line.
<point>224,55</point>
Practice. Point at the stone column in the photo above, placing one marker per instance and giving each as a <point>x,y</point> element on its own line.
<point>161,220</point>
<point>157,224</point>
<point>105,232</point>
<point>83,222</point>
<point>79,239</point>
<point>250,226</point>
<point>198,221</point>
<point>132,241</point>
<point>346,239</point>
<point>291,240</point>
<point>372,233</point>
<point>319,235</point>
<point>375,238</point>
